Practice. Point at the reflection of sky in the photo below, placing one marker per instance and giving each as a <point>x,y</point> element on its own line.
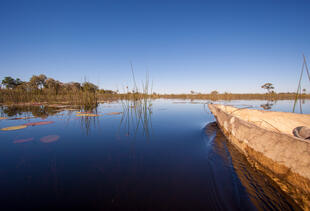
<point>169,118</point>
<point>173,161</point>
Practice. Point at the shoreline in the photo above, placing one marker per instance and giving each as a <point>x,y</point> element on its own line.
<point>117,97</point>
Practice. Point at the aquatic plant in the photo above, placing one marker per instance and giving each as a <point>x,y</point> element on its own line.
<point>39,123</point>
<point>18,127</point>
<point>19,141</point>
<point>88,115</point>
<point>49,139</point>
<point>113,113</point>
<point>137,108</point>
<point>19,118</point>
<point>83,112</point>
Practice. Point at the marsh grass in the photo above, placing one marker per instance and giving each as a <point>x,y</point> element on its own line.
<point>87,100</point>
<point>232,96</point>
<point>137,108</point>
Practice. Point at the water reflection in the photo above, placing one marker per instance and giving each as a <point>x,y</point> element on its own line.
<point>184,168</point>
<point>27,111</point>
<point>261,190</point>
<point>137,116</point>
<point>88,122</point>
<point>267,106</point>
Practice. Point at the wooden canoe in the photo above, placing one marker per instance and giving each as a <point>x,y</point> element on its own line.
<point>266,138</point>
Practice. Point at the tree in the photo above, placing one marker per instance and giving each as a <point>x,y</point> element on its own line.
<point>89,87</point>
<point>75,86</point>
<point>53,85</point>
<point>268,86</point>
<point>18,82</point>
<point>304,90</point>
<point>72,86</point>
<point>38,82</point>
<point>214,92</point>
<point>11,83</point>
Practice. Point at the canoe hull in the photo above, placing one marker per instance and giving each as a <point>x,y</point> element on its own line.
<point>284,158</point>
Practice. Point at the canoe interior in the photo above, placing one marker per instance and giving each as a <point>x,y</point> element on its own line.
<point>283,122</point>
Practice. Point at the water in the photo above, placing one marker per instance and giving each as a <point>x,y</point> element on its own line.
<point>169,157</point>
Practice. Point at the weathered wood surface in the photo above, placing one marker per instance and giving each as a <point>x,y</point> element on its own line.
<point>266,139</point>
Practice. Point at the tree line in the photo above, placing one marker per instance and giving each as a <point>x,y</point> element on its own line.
<point>40,83</point>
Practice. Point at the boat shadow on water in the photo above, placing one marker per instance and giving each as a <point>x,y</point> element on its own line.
<point>237,184</point>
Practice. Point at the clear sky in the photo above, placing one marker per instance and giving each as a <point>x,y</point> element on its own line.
<point>232,46</point>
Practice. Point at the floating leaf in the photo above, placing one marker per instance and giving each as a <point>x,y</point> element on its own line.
<point>84,112</point>
<point>87,115</point>
<point>39,123</point>
<point>114,113</point>
<point>49,139</point>
<point>1,118</point>
<point>14,127</point>
<point>17,118</point>
<point>19,141</point>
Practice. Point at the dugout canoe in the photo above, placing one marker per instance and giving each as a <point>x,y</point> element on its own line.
<point>267,140</point>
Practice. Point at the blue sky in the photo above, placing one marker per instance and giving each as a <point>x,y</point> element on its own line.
<point>232,46</point>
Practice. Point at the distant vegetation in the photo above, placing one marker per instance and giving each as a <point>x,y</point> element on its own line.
<point>232,96</point>
<point>271,95</point>
<point>40,89</point>
<point>269,87</point>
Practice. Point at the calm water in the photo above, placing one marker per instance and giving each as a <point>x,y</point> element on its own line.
<point>169,157</point>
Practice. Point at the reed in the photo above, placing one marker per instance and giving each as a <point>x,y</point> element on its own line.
<point>137,108</point>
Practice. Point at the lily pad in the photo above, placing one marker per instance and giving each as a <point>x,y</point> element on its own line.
<point>87,115</point>
<point>18,127</point>
<point>1,118</point>
<point>18,118</point>
<point>114,113</point>
<point>39,123</point>
<point>19,141</point>
<point>49,139</point>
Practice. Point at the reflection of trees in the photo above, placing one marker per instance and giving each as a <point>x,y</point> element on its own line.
<point>37,111</point>
<point>137,116</point>
<point>267,106</point>
<point>89,122</point>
